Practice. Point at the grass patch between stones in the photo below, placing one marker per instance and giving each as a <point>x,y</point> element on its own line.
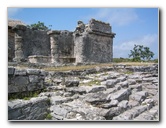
<point>23,95</point>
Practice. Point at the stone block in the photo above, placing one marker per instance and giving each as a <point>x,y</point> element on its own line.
<point>96,98</point>
<point>20,72</point>
<point>71,83</point>
<point>123,104</point>
<point>110,83</point>
<point>33,71</point>
<point>113,103</point>
<point>11,70</point>
<point>17,88</point>
<point>31,87</point>
<point>97,89</point>
<point>120,95</point>
<point>131,82</point>
<point>76,90</point>
<point>124,84</point>
<point>98,26</point>
<point>33,79</point>
<point>21,80</point>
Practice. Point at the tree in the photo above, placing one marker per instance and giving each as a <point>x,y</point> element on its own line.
<point>140,52</point>
<point>39,26</point>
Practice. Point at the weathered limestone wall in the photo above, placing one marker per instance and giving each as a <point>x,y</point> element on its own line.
<point>66,44</point>
<point>34,109</point>
<point>93,48</point>
<point>33,42</point>
<point>95,43</point>
<point>61,45</point>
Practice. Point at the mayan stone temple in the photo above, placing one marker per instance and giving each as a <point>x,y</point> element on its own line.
<point>70,76</point>
<point>92,42</point>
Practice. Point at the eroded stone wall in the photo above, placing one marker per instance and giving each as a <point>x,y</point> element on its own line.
<point>66,44</point>
<point>33,42</point>
<point>25,80</point>
<point>95,43</point>
<point>11,44</point>
<point>93,48</point>
<point>62,46</point>
<point>88,43</point>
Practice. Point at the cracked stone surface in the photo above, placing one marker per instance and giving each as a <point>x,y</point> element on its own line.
<point>117,96</point>
<point>109,95</point>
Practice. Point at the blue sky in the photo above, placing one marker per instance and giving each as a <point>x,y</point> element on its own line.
<point>131,25</point>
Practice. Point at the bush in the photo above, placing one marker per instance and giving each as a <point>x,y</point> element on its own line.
<point>119,60</point>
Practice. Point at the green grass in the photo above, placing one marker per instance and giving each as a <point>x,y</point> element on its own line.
<point>93,82</point>
<point>81,67</point>
<point>128,72</point>
<point>125,61</point>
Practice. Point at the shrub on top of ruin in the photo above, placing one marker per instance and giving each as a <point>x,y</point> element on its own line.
<point>39,26</point>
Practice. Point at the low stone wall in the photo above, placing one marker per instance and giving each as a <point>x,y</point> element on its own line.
<point>29,80</point>
<point>34,109</point>
<point>25,80</point>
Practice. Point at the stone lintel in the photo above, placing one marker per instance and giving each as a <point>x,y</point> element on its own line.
<point>103,34</point>
<point>36,56</point>
<point>53,32</point>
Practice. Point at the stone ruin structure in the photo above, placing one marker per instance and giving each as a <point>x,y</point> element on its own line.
<point>113,93</point>
<point>92,42</point>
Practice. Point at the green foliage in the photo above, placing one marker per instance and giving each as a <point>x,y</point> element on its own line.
<point>26,98</point>
<point>140,52</point>
<point>49,116</point>
<point>39,26</point>
<point>155,60</point>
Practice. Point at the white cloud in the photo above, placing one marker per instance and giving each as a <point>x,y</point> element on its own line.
<point>120,17</point>
<point>123,49</point>
<point>13,11</point>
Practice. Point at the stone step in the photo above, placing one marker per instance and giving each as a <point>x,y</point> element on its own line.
<point>136,87</point>
<point>122,94</point>
<point>132,113</point>
<point>151,114</point>
<point>76,90</point>
<point>55,100</point>
<point>139,96</point>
